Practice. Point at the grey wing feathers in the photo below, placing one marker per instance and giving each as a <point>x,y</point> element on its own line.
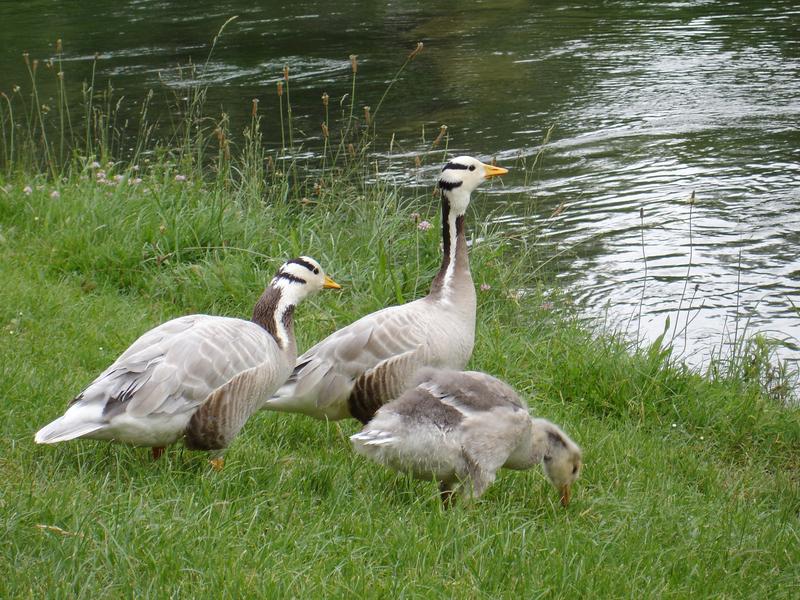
<point>175,366</point>
<point>475,390</point>
<point>229,407</point>
<point>328,370</point>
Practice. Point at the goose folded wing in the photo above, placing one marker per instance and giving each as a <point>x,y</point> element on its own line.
<point>330,369</point>
<point>174,367</point>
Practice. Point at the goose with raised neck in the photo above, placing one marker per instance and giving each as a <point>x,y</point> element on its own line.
<point>360,367</point>
<point>197,377</point>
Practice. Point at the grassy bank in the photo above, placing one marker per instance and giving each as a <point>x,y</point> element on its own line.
<point>691,485</point>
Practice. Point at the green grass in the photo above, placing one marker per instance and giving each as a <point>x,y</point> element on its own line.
<point>690,486</point>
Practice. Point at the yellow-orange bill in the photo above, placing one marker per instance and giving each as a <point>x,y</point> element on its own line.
<point>565,496</point>
<point>492,171</point>
<point>331,284</point>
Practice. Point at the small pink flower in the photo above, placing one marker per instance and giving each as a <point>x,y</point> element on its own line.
<point>55,195</point>
<point>423,225</point>
<point>135,181</point>
<point>95,165</point>
<point>118,177</point>
<point>414,216</point>
<point>101,175</point>
<point>180,177</point>
<point>485,287</point>
<point>27,190</point>
<point>135,167</point>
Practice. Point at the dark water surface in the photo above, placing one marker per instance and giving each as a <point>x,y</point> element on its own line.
<point>649,102</point>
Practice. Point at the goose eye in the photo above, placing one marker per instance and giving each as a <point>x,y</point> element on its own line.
<point>316,271</point>
<point>574,469</point>
<point>472,167</point>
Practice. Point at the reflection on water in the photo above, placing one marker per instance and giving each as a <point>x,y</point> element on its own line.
<point>649,103</point>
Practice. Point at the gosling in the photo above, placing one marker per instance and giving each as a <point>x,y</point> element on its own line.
<point>460,428</point>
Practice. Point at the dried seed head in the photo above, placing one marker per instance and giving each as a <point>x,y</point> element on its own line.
<point>286,73</point>
<point>415,51</point>
<point>438,140</point>
<point>351,150</point>
<point>26,58</point>
<point>59,47</point>
<point>366,115</point>
<point>254,108</point>
<point>418,161</point>
<point>15,89</point>
<point>280,89</point>
<point>354,63</point>
<point>324,131</point>
<point>60,74</point>
<point>325,99</point>
<point>35,64</point>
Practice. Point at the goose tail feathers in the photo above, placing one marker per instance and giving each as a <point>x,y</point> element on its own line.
<point>62,430</point>
<point>372,437</point>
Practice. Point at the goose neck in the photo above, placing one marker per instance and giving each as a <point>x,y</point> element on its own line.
<point>455,260</point>
<point>530,451</point>
<point>274,312</point>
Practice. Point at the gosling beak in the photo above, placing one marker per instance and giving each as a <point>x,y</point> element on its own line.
<point>490,171</point>
<point>565,495</point>
<point>330,284</point>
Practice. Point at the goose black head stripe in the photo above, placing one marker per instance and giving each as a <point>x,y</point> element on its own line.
<point>304,263</point>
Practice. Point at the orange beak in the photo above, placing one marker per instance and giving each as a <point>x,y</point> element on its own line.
<point>492,171</point>
<point>565,496</point>
<point>330,284</point>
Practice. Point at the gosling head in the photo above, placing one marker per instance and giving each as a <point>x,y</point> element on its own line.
<point>462,175</point>
<point>561,458</point>
<point>302,276</point>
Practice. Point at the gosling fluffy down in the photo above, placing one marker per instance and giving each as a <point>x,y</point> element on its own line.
<point>460,428</point>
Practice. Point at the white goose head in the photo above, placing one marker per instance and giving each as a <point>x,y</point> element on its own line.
<point>561,457</point>
<point>461,176</point>
<point>299,277</point>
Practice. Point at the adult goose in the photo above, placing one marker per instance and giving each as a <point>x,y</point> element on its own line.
<point>460,428</point>
<point>360,367</point>
<point>199,377</point>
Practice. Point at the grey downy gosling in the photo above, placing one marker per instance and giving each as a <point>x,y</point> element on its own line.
<point>197,377</point>
<point>360,367</point>
<point>460,428</point>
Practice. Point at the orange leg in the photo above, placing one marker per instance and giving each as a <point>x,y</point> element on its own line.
<point>157,452</point>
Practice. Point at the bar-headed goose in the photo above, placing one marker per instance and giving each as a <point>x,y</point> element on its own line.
<point>460,428</point>
<point>199,377</point>
<point>360,367</point>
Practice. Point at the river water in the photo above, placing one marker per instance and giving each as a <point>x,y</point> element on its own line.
<point>648,103</point>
